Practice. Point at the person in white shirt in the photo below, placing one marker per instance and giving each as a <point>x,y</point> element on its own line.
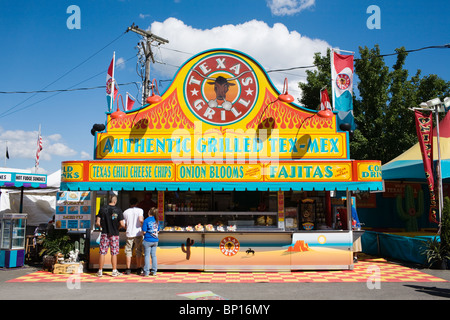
<point>134,217</point>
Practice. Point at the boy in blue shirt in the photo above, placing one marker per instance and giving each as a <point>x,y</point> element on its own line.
<point>150,229</point>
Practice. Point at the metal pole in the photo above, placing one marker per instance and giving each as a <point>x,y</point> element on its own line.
<point>148,54</point>
<point>439,173</point>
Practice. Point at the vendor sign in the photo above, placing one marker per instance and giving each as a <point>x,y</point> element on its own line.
<point>19,179</point>
<point>221,124</point>
<point>73,210</point>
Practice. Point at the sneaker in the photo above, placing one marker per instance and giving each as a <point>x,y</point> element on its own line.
<point>140,272</point>
<point>128,272</point>
<point>115,273</point>
<point>99,273</point>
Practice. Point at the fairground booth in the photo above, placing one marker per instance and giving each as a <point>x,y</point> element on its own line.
<point>398,221</point>
<point>243,178</point>
<point>13,223</point>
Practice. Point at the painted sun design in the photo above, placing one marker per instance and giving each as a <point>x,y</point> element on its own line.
<point>322,239</point>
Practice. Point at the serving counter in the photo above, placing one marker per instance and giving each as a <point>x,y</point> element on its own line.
<point>255,250</point>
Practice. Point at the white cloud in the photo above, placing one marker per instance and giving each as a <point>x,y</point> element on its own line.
<point>23,145</point>
<point>143,16</point>
<point>289,7</point>
<point>273,47</point>
<point>86,155</point>
<point>120,63</point>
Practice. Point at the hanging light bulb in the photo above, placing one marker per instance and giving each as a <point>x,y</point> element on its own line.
<point>327,113</point>
<point>154,98</point>
<point>285,96</point>
<point>118,114</point>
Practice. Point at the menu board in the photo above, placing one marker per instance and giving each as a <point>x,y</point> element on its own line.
<point>73,210</point>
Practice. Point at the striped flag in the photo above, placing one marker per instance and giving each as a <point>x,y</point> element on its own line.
<point>39,149</point>
<point>342,87</point>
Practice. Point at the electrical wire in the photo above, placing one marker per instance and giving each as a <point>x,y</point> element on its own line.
<point>65,74</point>
<point>10,112</point>
<point>65,90</point>
<point>445,46</point>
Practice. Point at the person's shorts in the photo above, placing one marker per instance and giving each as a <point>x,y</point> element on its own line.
<point>137,241</point>
<point>357,247</point>
<point>108,241</point>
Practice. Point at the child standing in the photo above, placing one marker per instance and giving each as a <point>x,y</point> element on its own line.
<point>150,228</point>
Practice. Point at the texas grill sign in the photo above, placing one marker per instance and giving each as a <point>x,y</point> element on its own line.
<point>221,123</point>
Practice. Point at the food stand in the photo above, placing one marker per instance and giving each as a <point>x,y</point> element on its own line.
<point>242,178</point>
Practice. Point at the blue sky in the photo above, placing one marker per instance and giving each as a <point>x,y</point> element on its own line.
<point>39,52</point>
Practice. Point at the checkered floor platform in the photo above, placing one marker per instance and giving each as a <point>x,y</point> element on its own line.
<point>362,272</point>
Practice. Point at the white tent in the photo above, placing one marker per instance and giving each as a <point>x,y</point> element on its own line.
<point>38,203</point>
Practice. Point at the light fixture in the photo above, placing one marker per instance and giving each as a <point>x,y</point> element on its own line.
<point>154,98</point>
<point>447,102</point>
<point>285,96</point>
<point>327,113</point>
<point>118,114</point>
<point>434,102</point>
<point>97,127</point>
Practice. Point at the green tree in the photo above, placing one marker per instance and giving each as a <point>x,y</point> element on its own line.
<point>382,98</point>
<point>370,108</point>
<point>316,80</point>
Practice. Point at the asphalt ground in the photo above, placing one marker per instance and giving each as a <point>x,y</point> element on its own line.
<point>247,298</point>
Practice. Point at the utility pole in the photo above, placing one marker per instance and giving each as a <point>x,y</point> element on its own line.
<point>146,47</point>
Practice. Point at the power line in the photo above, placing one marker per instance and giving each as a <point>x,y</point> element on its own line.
<point>445,46</point>
<point>59,78</point>
<point>10,112</point>
<point>65,90</point>
<point>6,113</point>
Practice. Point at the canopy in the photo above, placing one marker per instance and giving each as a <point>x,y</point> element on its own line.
<point>409,165</point>
<point>38,200</point>
<point>10,177</point>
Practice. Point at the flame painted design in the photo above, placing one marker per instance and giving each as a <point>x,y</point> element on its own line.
<point>275,114</point>
<point>166,115</point>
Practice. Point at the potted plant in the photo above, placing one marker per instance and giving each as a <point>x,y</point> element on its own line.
<point>54,243</point>
<point>437,254</point>
<point>438,248</point>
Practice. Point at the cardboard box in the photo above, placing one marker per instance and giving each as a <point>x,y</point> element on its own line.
<point>68,268</point>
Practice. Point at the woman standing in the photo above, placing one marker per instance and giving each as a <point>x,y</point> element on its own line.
<point>150,228</point>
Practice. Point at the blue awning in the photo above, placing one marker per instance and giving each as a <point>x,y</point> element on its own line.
<point>20,179</point>
<point>222,186</point>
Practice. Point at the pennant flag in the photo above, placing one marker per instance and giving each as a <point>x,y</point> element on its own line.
<point>111,93</point>
<point>324,99</point>
<point>342,87</point>
<point>39,149</point>
<point>130,102</point>
<point>7,153</point>
<point>424,128</point>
